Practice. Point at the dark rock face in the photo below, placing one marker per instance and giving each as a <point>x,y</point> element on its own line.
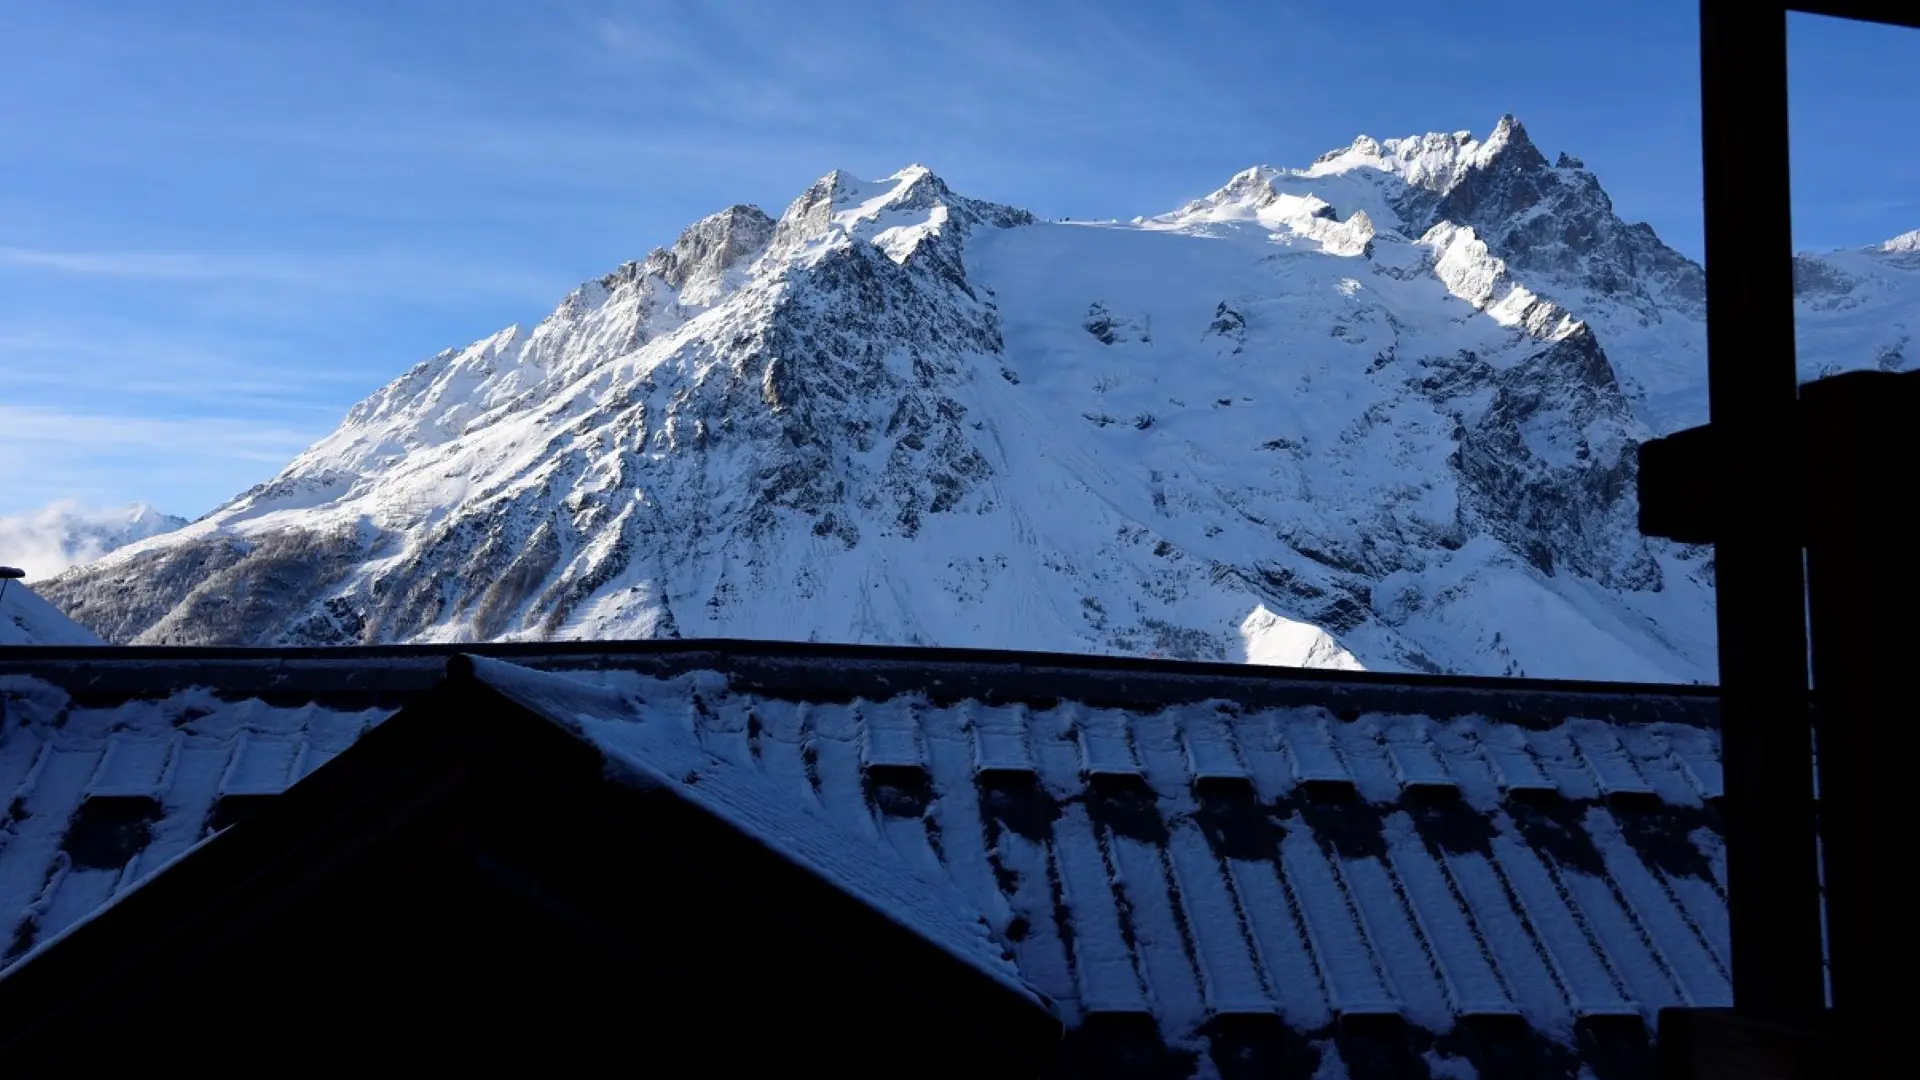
<point>713,244</point>
<point>1555,223</point>
<point>1100,324</point>
<point>869,369</point>
<point>1230,326</point>
<point>1549,462</point>
<point>1821,285</point>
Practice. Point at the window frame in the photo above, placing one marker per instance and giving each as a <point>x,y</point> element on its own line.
<point>1753,393</point>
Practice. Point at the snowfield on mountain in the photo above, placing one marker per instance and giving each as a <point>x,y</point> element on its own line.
<point>1380,411</point>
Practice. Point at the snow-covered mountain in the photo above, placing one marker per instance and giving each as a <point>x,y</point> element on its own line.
<point>61,535</point>
<point>26,619</point>
<point>1378,411</point>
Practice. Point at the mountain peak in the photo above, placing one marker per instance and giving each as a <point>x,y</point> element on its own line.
<point>1261,196</point>
<point>1436,161</point>
<point>1508,130</point>
<point>1905,243</point>
<point>1551,221</point>
<point>1256,179</point>
<point>896,213</point>
<point>1509,146</point>
<point>739,215</point>
<point>713,245</point>
<point>1251,188</point>
<point>810,214</point>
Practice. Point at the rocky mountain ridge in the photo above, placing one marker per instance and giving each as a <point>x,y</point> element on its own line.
<point>1378,411</point>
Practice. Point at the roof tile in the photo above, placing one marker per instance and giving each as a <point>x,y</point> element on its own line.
<point>133,765</point>
<point>1308,742</point>
<point>1516,768</point>
<point>890,735</point>
<point>1613,767</point>
<point>1416,758</point>
<point>1207,737</point>
<point>261,764</point>
<point>1106,746</point>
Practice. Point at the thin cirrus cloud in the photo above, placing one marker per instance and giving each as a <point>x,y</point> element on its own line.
<point>351,273</point>
<point>142,370</point>
<point>951,82</point>
<point>49,453</point>
<point>40,429</point>
<point>164,266</point>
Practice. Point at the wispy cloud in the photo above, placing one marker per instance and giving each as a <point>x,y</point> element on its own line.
<point>149,372</point>
<point>188,462</point>
<point>116,264</point>
<point>350,273</point>
<point>1870,207</point>
<point>25,427</point>
<point>68,532</point>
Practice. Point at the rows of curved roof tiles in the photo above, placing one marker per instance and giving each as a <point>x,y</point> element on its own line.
<point>1208,870</point>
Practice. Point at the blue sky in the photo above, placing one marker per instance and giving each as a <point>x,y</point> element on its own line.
<point>223,223</point>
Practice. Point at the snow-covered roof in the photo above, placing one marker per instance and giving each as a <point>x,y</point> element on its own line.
<point>26,619</point>
<point>648,743</point>
<point>1330,851</point>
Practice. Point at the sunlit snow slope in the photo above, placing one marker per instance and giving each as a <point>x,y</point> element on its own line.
<point>1378,411</point>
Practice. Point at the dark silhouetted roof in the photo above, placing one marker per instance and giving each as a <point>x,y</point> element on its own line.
<point>1208,868</point>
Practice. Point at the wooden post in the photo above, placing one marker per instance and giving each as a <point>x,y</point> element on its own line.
<point>1865,600</point>
<point>1822,479</point>
<point>1766,736</point>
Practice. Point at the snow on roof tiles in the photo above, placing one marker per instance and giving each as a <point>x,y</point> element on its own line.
<point>1180,862</point>
<point>643,734</point>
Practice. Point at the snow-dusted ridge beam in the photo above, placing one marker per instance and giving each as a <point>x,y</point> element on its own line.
<point>826,671</point>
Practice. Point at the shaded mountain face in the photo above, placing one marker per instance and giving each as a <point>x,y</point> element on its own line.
<point>1379,411</point>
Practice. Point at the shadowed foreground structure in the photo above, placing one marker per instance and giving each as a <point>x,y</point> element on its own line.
<point>1201,870</point>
